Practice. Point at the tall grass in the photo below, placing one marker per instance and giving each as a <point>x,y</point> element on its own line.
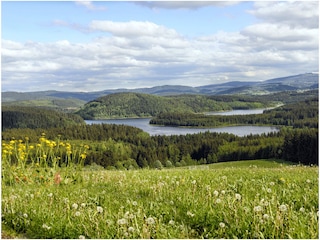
<point>239,202</point>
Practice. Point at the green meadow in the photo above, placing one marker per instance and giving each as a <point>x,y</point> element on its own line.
<point>247,199</point>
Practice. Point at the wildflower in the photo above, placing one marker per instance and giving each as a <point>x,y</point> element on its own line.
<point>218,200</point>
<point>82,204</point>
<point>265,216</point>
<point>272,183</point>
<point>222,225</point>
<point>134,203</point>
<point>238,196</point>
<point>82,237</point>
<point>50,195</point>
<point>257,209</point>
<point>283,208</point>
<point>215,193</point>
<point>25,215</point>
<point>171,222</point>
<point>190,214</point>
<point>122,221</point>
<point>194,182</point>
<point>150,221</point>
<point>75,206</point>
<point>45,226</point>
<point>77,214</point>
<point>308,181</point>
<point>130,229</point>
<point>99,209</point>
<point>223,192</point>
<point>302,209</point>
<point>269,190</point>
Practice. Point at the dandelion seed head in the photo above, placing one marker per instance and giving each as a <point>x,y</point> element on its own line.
<point>99,209</point>
<point>171,222</point>
<point>302,209</point>
<point>257,208</point>
<point>82,237</point>
<point>130,229</point>
<point>122,221</point>
<point>238,196</point>
<point>77,214</point>
<point>222,225</point>
<point>25,215</point>
<point>150,221</point>
<point>190,214</point>
<point>218,200</point>
<point>74,206</point>
<point>265,216</point>
<point>50,195</point>
<point>283,208</point>
<point>215,193</point>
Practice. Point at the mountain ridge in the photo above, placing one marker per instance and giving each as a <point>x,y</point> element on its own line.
<point>304,81</point>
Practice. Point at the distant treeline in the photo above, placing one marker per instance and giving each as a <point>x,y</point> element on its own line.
<point>298,115</point>
<point>36,117</point>
<point>119,146</point>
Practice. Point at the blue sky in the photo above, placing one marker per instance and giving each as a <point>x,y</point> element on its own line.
<point>97,45</point>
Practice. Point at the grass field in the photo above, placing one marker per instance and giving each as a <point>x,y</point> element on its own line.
<point>248,199</point>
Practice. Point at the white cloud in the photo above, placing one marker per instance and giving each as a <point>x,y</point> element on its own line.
<point>144,54</point>
<point>89,5</point>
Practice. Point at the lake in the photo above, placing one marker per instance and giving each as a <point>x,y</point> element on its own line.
<point>143,123</point>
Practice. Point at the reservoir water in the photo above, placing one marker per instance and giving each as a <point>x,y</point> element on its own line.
<point>143,123</point>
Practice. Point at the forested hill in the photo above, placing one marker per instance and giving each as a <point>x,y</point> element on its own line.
<point>130,105</point>
<point>36,117</point>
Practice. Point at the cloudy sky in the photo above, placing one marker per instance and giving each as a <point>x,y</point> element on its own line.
<point>98,45</point>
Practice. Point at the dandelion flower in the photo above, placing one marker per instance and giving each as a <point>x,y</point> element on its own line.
<point>257,209</point>
<point>122,221</point>
<point>283,208</point>
<point>216,193</point>
<point>77,214</point>
<point>265,216</point>
<point>99,209</point>
<point>150,221</point>
<point>75,206</point>
<point>222,225</point>
<point>171,222</point>
<point>238,196</point>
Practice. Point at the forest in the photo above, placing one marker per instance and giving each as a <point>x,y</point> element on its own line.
<point>124,147</point>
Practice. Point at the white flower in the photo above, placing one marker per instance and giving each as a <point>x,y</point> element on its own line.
<point>134,203</point>
<point>83,205</point>
<point>45,226</point>
<point>50,195</point>
<point>82,237</point>
<point>190,214</point>
<point>257,209</point>
<point>171,222</point>
<point>223,192</point>
<point>308,181</point>
<point>25,215</point>
<point>194,182</point>
<point>122,221</point>
<point>302,209</point>
<point>266,216</point>
<point>218,200</point>
<point>283,208</point>
<point>269,190</point>
<point>130,229</point>
<point>150,221</point>
<point>216,193</point>
<point>75,206</point>
<point>222,225</point>
<point>238,196</point>
<point>77,214</point>
<point>99,209</point>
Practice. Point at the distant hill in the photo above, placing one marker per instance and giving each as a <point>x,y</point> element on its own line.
<point>307,81</point>
<point>131,105</point>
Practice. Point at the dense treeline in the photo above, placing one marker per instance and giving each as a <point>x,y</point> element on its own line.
<point>127,147</point>
<point>124,105</point>
<point>298,115</point>
<point>36,117</point>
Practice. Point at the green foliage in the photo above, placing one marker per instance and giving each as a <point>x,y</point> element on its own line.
<point>35,117</point>
<point>241,202</point>
<point>298,115</point>
<point>124,105</point>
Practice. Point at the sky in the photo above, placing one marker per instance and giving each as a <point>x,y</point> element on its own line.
<point>87,46</point>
